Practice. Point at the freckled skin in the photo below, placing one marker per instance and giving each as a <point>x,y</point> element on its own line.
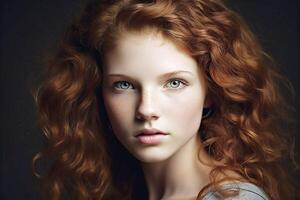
<point>145,101</point>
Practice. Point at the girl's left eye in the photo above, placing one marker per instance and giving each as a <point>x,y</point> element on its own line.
<point>176,84</point>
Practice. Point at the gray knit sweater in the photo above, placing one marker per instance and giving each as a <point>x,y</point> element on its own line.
<point>247,191</point>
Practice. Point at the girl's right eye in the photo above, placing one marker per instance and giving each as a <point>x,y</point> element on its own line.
<point>123,85</point>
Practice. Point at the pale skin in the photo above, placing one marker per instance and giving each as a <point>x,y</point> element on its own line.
<point>150,83</point>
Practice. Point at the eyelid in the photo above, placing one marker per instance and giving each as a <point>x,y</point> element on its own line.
<point>118,82</point>
<point>182,81</point>
<point>178,79</point>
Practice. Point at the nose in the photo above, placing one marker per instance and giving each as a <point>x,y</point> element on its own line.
<point>147,108</point>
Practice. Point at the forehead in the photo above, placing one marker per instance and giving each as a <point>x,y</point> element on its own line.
<point>134,51</point>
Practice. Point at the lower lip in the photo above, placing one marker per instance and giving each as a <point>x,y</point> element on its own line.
<point>150,139</point>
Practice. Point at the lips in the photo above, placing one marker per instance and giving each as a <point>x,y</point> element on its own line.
<point>150,132</point>
<point>151,136</point>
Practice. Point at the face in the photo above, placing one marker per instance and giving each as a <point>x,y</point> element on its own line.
<point>149,84</point>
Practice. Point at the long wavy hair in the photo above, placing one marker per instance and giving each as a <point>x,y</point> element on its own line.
<point>244,133</point>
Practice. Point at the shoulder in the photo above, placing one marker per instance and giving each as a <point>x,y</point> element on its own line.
<point>247,191</point>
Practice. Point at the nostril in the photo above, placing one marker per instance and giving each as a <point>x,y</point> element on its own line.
<point>147,117</point>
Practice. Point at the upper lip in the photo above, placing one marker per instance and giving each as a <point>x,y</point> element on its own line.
<point>150,132</point>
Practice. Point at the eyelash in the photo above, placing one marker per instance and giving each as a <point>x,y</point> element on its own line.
<point>182,82</point>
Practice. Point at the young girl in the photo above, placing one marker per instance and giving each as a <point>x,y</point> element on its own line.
<point>162,99</point>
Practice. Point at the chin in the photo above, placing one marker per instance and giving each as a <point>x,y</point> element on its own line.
<point>150,159</point>
<point>151,156</point>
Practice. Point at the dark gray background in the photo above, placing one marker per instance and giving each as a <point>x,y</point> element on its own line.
<point>31,29</point>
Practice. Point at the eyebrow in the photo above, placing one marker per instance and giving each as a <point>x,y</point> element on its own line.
<point>163,76</point>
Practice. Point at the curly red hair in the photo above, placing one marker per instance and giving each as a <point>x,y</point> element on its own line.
<point>243,134</point>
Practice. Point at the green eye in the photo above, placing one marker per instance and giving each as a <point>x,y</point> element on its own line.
<point>123,85</point>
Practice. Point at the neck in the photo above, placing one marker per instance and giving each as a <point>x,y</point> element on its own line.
<point>180,176</point>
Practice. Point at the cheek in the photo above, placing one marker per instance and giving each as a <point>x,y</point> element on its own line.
<point>186,112</point>
<point>191,116</point>
<point>119,111</point>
